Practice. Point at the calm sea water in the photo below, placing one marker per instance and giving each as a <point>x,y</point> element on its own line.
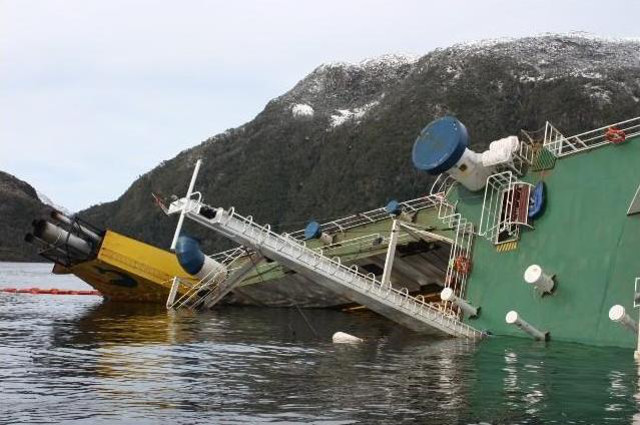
<point>77,360</point>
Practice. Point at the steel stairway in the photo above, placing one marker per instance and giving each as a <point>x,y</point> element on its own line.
<point>396,305</point>
<point>213,287</point>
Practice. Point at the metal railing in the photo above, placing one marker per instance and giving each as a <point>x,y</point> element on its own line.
<point>206,289</point>
<point>262,238</point>
<point>562,146</point>
<point>498,207</point>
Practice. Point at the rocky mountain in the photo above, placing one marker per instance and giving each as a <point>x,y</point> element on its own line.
<point>340,140</point>
<point>20,205</point>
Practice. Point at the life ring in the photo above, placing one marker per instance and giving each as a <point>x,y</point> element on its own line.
<point>615,135</point>
<point>462,265</point>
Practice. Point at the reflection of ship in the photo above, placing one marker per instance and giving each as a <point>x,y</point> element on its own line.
<point>534,236</point>
<point>121,268</point>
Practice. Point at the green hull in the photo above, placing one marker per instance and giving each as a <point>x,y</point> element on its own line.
<point>584,237</point>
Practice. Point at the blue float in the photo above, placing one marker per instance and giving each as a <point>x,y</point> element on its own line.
<point>312,231</point>
<point>393,207</point>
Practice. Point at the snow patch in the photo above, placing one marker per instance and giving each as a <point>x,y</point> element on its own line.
<point>47,201</point>
<point>344,115</point>
<point>301,110</point>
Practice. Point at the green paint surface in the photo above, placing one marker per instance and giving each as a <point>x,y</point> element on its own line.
<point>584,237</point>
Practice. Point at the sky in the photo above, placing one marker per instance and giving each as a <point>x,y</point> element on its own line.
<point>94,93</point>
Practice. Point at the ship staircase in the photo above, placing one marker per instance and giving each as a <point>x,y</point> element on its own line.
<point>460,255</point>
<point>206,292</point>
<point>348,281</point>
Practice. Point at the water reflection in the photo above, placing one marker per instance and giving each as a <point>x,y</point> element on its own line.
<point>83,361</point>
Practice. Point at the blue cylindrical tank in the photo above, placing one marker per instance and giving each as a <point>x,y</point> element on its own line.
<point>440,145</point>
<point>190,256</point>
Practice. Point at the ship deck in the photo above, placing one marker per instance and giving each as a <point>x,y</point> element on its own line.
<point>584,237</point>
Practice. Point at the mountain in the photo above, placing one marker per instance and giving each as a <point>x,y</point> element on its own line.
<point>20,205</point>
<point>340,140</point>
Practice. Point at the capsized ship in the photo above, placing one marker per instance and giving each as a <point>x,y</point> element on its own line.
<point>539,236</point>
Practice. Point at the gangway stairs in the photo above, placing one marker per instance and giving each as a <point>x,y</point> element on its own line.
<point>396,305</point>
<point>213,287</point>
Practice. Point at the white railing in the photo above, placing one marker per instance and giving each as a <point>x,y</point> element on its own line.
<point>373,216</point>
<point>262,238</point>
<point>455,278</point>
<point>498,207</point>
<point>562,146</point>
<point>355,220</point>
<point>206,289</point>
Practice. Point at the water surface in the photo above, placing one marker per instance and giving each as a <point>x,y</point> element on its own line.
<point>77,360</point>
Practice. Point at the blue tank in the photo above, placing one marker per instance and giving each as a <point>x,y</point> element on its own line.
<point>440,145</point>
<point>190,256</point>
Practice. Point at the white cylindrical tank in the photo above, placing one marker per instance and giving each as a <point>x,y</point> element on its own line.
<point>513,318</point>
<point>59,237</point>
<point>534,275</point>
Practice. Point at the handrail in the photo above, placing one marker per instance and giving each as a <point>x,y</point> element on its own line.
<point>365,282</point>
<point>562,146</point>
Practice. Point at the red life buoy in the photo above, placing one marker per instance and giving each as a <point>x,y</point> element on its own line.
<point>615,135</point>
<point>462,265</point>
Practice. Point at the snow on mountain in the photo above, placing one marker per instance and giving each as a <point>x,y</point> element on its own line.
<point>344,115</point>
<point>302,110</point>
<point>47,201</point>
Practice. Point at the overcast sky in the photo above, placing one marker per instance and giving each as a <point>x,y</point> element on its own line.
<point>95,93</point>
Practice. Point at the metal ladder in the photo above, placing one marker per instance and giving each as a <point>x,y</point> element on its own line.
<point>213,287</point>
<point>364,289</point>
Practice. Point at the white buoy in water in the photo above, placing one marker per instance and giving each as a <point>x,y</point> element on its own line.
<point>344,338</point>
<point>618,314</point>
<point>448,295</point>
<point>534,275</point>
<point>513,318</point>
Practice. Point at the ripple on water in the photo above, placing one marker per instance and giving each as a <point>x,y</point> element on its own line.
<point>78,360</point>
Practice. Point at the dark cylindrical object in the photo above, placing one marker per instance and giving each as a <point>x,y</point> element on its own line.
<point>58,216</point>
<point>193,261</point>
<point>58,237</point>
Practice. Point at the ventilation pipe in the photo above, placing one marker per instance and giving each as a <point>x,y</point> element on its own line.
<point>534,275</point>
<point>448,295</point>
<point>513,318</point>
<point>193,261</point>
<point>618,314</point>
<point>60,238</point>
<point>61,218</point>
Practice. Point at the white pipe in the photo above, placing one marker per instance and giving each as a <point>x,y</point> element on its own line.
<point>59,237</point>
<point>57,215</point>
<point>513,318</point>
<point>391,253</point>
<point>534,275</point>
<point>448,295</point>
<point>618,314</point>
<point>186,205</point>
